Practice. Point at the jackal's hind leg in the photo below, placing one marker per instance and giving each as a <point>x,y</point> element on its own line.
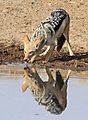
<point>66,34</point>
<point>60,42</point>
<point>70,50</point>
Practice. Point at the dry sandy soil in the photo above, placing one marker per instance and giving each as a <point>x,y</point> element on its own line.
<point>19,17</point>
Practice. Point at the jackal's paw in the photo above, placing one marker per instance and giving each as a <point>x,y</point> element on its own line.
<point>72,54</point>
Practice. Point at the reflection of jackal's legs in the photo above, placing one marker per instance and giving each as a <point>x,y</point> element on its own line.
<point>65,83</point>
<point>62,85</point>
<point>49,75</point>
<point>57,86</point>
<point>60,80</point>
<point>68,74</point>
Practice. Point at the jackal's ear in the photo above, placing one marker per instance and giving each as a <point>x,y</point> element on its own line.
<point>24,87</point>
<point>25,39</point>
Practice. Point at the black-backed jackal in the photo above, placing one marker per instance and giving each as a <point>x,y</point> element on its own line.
<point>52,33</point>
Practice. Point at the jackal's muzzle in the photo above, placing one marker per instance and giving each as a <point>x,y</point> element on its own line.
<point>30,55</point>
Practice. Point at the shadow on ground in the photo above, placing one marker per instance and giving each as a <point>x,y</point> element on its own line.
<point>78,56</point>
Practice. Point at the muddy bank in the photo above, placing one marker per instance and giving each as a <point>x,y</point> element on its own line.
<point>14,54</point>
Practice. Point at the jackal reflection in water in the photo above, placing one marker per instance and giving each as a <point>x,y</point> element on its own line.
<point>52,93</point>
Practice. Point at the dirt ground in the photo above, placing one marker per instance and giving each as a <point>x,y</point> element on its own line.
<point>19,17</point>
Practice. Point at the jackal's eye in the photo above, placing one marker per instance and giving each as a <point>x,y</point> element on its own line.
<point>31,53</point>
<point>24,51</point>
<point>37,45</point>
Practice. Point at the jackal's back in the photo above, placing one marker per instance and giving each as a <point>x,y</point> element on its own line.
<point>53,22</point>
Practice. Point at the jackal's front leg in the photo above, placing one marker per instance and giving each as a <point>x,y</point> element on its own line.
<point>45,52</point>
<point>49,53</point>
<point>33,58</point>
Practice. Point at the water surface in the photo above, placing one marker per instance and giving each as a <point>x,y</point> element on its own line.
<point>16,105</point>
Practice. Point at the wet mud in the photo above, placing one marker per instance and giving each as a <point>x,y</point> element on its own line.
<point>15,54</point>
